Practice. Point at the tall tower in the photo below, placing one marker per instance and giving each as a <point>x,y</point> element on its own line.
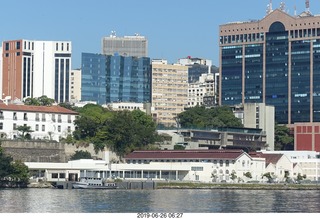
<point>36,68</point>
<point>273,61</point>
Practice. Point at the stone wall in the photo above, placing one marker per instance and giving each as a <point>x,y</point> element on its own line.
<point>46,151</point>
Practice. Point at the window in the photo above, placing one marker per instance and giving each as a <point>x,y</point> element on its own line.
<point>221,163</point>
<point>14,116</point>
<point>1,115</point>
<point>25,118</point>
<point>7,46</point>
<point>54,175</point>
<point>69,118</point>
<point>69,128</point>
<point>37,127</point>
<point>59,128</point>
<point>227,163</point>
<point>43,128</point>
<point>59,119</point>
<point>197,168</point>
<point>53,118</point>
<point>37,117</point>
<point>14,126</point>
<point>18,45</point>
<point>1,125</point>
<point>43,117</point>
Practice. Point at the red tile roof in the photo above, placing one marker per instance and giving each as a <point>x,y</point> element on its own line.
<point>270,158</point>
<point>40,109</point>
<point>186,154</point>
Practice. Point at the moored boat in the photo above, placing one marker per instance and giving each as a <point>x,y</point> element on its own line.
<point>93,183</point>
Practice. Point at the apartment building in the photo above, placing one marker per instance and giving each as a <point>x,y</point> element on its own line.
<point>169,91</point>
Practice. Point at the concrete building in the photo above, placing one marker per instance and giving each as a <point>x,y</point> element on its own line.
<point>273,61</point>
<point>144,107</point>
<point>197,67</point>
<point>258,115</point>
<point>169,91</point>
<point>46,122</point>
<point>36,68</point>
<point>202,92</point>
<point>125,46</point>
<point>75,85</point>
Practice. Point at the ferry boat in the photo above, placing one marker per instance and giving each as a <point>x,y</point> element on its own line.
<point>93,183</point>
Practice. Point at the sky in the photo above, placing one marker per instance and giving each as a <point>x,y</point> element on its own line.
<point>174,28</point>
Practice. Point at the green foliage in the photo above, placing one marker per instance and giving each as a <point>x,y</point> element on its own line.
<point>201,117</point>
<point>81,155</point>
<point>248,175</point>
<point>121,131</point>
<point>233,175</point>
<point>12,174</point>
<point>24,132</point>
<point>178,147</point>
<point>40,101</point>
<point>283,139</point>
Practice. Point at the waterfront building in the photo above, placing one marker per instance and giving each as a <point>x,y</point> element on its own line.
<point>194,166</point>
<point>169,91</point>
<point>125,46</point>
<point>75,85</point>
<point>46,122</point>
<point>36,68</point>
<point>202,92</point>
<point>113,78</point>
<point>273,61</point>
<point>307,162</point>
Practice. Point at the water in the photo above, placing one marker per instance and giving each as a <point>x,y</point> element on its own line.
<point>162,200</point>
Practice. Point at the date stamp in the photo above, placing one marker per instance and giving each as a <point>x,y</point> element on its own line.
<point>159,215</point>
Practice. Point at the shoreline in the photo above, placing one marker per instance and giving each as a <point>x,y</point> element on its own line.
<point>243,186</point>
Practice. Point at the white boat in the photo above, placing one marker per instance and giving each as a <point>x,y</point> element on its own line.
<point>93,183</point>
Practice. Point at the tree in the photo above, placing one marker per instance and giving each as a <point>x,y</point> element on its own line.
<point>24,132</point>
<point>81,155</point>
<point>20,174</point>
<point>233,175</point>
<point>201,117</point>
<point>248,175</point>
<point>40,101</point>
<point>283,138</point>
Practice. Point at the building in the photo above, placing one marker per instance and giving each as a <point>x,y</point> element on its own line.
<point>202,92</point>
<point>120,106</point>
<point>306,162</point>
<point>125,46</point>
<point>75,85</point>
<point>197,67</point>
<point>273,61</point>
<point>169,91</point>
<point>46,122</point>
<point>260,116</point>
<point>36,68</point>
<point>114,78</point>
<point>307,136</point>
<point>194,166</point>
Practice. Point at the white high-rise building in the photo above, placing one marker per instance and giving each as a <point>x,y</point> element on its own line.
<point>36,68</point>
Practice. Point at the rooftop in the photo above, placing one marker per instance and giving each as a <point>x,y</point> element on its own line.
<point>42,109</point>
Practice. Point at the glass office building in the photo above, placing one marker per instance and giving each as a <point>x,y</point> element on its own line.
<point>109,79</point>
<point>275,61</point>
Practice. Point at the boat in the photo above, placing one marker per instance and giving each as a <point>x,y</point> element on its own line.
<point>93,183</point>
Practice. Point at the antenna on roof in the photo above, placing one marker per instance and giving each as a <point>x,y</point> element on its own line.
<point>269,7</point>
<point>307,6</point>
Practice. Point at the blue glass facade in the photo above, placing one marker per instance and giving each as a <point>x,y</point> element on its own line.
<point>93,78</point>
<point>108,79</point>
<point>274,61</point>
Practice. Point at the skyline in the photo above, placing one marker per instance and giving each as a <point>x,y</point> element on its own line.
<point>174,29</point>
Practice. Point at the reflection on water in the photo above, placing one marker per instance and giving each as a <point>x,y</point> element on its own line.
<point>170,200</point>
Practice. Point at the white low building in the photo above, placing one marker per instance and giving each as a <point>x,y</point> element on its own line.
<point>46,122</point>
<point>190,165</point>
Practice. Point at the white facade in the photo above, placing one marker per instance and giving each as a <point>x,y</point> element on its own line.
<point>125,106</point>
<point>51,68</point>
<point>204,87</point>
<point>50,123</point>
<point>75,85</point>
<point>308,162</point>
